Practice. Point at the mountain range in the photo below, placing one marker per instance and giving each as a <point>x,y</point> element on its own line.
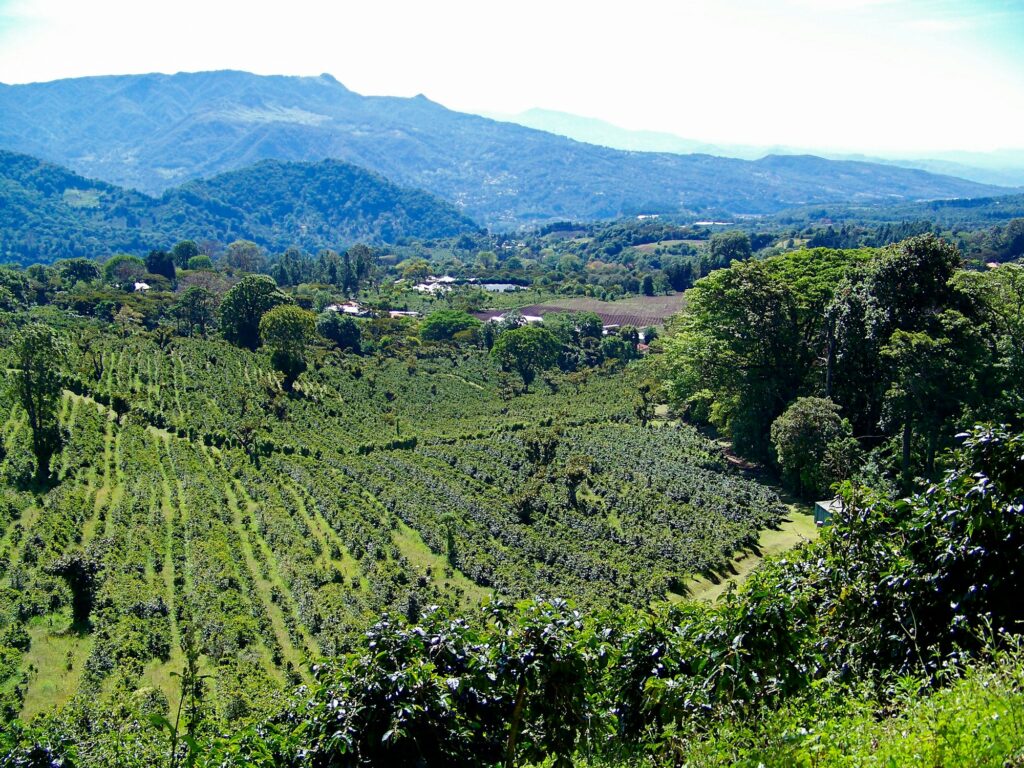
<point>1002,167</point>
<point>48,212</point>
<point>153,132</point>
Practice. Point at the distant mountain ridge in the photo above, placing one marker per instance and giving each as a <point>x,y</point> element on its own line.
<point>1005,168</point>
<point>48,212</point>
<point>151,132</point>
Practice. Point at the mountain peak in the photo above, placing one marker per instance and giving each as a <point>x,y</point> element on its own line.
<point>156,132</point>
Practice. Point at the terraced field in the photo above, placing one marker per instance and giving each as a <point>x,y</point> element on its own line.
<point>197,502</point>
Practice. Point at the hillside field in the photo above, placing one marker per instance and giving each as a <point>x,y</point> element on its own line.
<point>638,311</point>
<point>278,527</point>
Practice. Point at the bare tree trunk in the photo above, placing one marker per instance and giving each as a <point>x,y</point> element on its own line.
<point>908,436</point>
<point>513,729</point>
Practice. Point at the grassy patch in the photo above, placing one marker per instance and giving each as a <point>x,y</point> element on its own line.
<point>797,528</point>
<point>415,550</point>
<point>54,663</point>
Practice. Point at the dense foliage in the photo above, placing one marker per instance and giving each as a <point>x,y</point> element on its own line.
<point>301,516</point>
<point>201,501</point>
<point>909,348</point>
<point>51,213</point>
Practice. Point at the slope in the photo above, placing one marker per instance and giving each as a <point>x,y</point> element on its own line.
<point>48,212</point>
<point>153,131</point>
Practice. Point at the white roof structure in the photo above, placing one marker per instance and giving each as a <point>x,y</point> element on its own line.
<point>349,308</point>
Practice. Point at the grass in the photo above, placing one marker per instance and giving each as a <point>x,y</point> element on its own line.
<point>797,528</point>
<point>51,681</point>
<point>416,551</point>
<point>639,311</point>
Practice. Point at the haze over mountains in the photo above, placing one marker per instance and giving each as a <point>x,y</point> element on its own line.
<point>1003,167</point>
<point>152,132</point>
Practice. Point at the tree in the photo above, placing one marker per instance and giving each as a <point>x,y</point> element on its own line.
<point>183,252</point>
<point>341,329</point>
<point>202,261</point>
<point>195,309</point>
<point>80,571</point>
<point>292,267</point>
<point>160,263</point>
<point>487,260</point>
<point>413,269</point>
<point>578,469</point>
<point>443,324</point>
<point>726,247</point>
<point>123,269</point>
<point>287,330</point>
<point>897,327</point>
<point>244,305</point>
<point>39,357</point>
<point>74,271</point>
<point>363,263</point>
<point>933,374</point>
<point>245,256</point>
<point>647,285</point>
<point>740,340</point>
<point>527,351</point>
<point>813,444</point>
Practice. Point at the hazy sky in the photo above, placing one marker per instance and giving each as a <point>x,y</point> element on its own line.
<point>871,75</point>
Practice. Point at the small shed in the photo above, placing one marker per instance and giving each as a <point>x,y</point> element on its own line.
<point>823,510</point>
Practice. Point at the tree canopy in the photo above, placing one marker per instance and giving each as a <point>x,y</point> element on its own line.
<point>443,324</point>
<point>39,357</point>
<point>287,330</point>
<point>243,306</point>
<point>527,350</point>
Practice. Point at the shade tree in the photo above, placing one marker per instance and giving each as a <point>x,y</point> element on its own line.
<point>242,307</point>
<point>527,351</point>
<point>287,330</point>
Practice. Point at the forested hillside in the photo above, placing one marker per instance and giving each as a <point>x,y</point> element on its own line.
<point>49,212</point>
<point>151,132</point>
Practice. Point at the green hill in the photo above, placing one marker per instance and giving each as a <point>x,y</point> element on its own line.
<point>49,212</point>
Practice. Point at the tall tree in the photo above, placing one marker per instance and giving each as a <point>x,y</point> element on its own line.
<point>814,445</point>
<point>287,330</point>
<point>74,271</point>
<point>183,251</point>
<point>160,263</point>
<point>244,305</point>
<point>39,356</point>
<point>726,247</point>
<point>123,269</point>
<point>245,256</point>
<point>195,309</point>
<point>739,342</point>
<point>341,329</point>
<point>527,350</point>
<point>443,324</point>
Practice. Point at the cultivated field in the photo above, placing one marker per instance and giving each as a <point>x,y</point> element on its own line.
<point>639,311</point>
<point>195,495</point>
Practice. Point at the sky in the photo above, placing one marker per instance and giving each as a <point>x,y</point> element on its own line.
<point>840,75</point>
